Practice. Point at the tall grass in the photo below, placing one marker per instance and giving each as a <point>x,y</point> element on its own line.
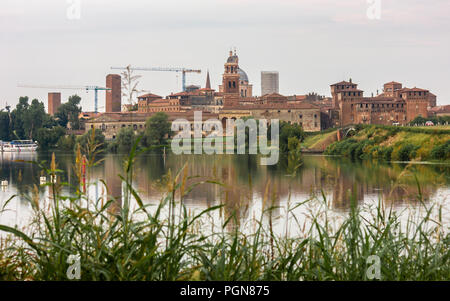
<point>117,242</point>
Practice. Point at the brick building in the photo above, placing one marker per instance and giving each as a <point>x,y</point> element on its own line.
<point>111,123</point>
<point>113,101</point>
<point>54,101</point>
<point>269,106</point>
<point>396,105</point>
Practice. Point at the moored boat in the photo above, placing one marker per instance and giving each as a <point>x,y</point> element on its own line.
<point>18,146</point>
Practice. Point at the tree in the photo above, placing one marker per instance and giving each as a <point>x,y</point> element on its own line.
<point>66,142</point>
<point>157,131</point>
<point>287,131</point>
<point>33,118</point>
<point>18,117</point>
<point>124,141</point>
<point>4,126</point>
<point>69,112</point>
<point>99,139</point>
<point>48,138</point>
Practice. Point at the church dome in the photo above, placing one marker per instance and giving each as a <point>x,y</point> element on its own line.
<point>242,75</point>
<point>232,59</point>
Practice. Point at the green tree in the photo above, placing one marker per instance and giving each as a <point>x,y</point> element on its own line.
<point>18,116</point>
<point>69,112</point>
<point>66,142</point>
<point>125,140</point>
<point>99,139</point>
<point>33,119</point>
<point>293,143</point>
<point>4,126</point>
<point>47,138</point>
<point>287,131</point>
<point>157,131</point>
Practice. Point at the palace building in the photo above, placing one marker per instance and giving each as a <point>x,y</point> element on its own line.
<point>396,105</point>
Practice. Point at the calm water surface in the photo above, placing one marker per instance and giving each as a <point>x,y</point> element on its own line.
<point>244,182</point>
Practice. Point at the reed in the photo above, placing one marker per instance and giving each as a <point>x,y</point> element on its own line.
<point>119,242</point>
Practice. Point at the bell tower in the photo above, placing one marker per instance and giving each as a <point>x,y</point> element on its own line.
<point>230,81</point>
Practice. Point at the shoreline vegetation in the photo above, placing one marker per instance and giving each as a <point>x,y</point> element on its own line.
<point>390,143</point>
<point>117,242</point>
<point>386,143</point>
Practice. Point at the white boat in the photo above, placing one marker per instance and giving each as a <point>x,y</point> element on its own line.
<point>18,146</point>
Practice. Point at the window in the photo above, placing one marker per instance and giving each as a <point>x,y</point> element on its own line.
<point>300,116</point>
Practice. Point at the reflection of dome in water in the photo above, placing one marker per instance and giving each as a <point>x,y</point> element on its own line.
<point>242,75</point>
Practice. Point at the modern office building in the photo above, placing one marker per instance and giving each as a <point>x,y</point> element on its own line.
<point>269,82</point>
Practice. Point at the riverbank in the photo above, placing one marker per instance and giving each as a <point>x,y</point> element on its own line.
<point>319,141</point>
<point>391,143</point>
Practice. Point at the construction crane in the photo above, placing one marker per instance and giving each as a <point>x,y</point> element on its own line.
<point>86,88</point>
<point>182,70</point>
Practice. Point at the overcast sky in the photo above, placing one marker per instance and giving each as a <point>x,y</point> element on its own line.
<point>312,43</point>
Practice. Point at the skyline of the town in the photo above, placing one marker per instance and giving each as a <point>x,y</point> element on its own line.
<point>312,44</point>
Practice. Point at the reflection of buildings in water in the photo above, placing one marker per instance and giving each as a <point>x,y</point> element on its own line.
<point>402,194</point>
<point>112,169</point>
<point>15,168</point>
<point>242,184</point>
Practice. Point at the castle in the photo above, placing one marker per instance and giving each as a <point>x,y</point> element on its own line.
<point>395,106</point>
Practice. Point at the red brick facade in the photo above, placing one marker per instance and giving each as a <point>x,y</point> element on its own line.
<point>54,101</point>
<point>113,96</point>
<point>230,81</point>
<point>396,105</point>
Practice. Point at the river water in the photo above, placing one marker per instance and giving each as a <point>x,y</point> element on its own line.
<point>245,185</point>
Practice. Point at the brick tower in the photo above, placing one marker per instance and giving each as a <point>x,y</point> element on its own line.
<point>230,81</point>
<point>113,96</point>
<point>416,102</point>
<point>344,96</point>
<point>54,101</point>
